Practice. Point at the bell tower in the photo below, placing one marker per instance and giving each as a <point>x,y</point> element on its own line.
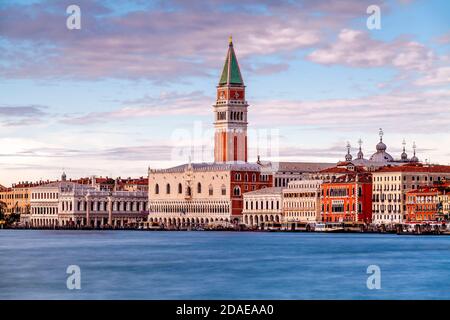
<point>230,113</point>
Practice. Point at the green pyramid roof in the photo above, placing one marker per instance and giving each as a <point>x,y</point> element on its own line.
<point>231,73</point>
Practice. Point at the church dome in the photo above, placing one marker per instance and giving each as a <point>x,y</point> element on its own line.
<point>381,155</point>
<point>404,156</point>
<point>414,157</point>
<point>381,146</point>
<point>360,154</point>
<point>348,156</point>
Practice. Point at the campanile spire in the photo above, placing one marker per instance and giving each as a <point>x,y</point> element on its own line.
<point>230,110</point>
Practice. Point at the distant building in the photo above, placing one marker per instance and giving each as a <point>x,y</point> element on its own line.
<point>380,158</point>
<point>347,198</point>
<point>17,198</point>
<point>302,201</point>
<point>130,184</point>
<point>284,172</point>
<point>391,184</point>
<point>422,204</point>
<point>202,193</point>
<point>69,204</point>
<point>263,205</point>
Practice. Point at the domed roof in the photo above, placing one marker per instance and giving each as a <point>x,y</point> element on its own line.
<point>348,156</point>
<point>381,155</point>
<point>414,157</point>
<point>360,154</point>
<point>404,156</point>
<point>381,146</point>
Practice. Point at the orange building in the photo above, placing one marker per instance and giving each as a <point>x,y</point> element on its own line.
<point>423,204</point>
<point>347,198</point>
<point>17,197</point>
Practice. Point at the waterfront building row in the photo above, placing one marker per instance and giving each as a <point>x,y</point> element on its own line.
<point>70,204</point>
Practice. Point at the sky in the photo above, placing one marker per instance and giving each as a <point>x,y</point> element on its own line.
<point>134,87</point>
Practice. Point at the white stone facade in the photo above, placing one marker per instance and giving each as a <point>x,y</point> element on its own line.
<point>201,193</point>
<point>68,204</point>
<point>301,201</point>
<point>263,206</point>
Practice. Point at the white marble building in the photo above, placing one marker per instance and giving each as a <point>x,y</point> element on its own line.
<point>69,204</point>
<point>263,205</point>
<point>301,201</point>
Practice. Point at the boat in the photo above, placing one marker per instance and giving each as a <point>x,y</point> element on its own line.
<point>329,227</point>
<point>300,226</point>
<point>272,226</point>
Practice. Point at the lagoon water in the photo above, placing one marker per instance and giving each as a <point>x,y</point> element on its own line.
<point>221,265</point>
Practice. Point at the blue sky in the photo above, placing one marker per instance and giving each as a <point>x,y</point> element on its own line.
<point>114,97</point>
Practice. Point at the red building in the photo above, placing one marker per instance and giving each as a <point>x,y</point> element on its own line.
<point>243,182</point>
<point>347,198</point>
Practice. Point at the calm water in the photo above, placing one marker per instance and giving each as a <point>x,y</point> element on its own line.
<point>221,265</point>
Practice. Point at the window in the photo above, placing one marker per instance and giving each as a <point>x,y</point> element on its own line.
<point>224,190</point>
<point>210,190</point>
<point>168,188</point>
<point>199,187</point>
<point>238,177</point>
<point>237,191</point>
<point>156,189</point>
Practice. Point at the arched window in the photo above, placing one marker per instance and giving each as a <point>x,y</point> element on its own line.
<point>237,191</point>
<point>254,177</point>
<point>210,190</point>
<point>224,190</point>
<point>238,177</point>
<point>180,188</point>
<point>199,187</point>
<point>168,188</point>
<point>157,189</point>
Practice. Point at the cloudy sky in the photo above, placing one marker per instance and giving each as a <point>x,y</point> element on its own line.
<point>134,87</point>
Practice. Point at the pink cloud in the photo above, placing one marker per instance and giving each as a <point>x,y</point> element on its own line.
<point>158,43</point>
<point>355,48</point>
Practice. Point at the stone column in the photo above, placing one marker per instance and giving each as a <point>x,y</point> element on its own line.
<point>88,209</point>
<point>110,210</point>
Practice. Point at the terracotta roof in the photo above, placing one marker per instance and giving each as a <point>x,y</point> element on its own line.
<point>347,178</point>
<point>343,170</point>
<point>424,190</point>
<point>416,168</point>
